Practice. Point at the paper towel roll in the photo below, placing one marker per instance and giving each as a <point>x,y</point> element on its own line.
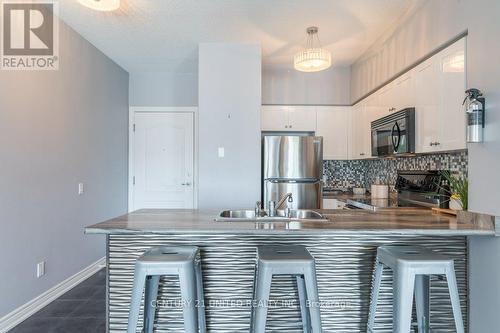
<point>380,191</point>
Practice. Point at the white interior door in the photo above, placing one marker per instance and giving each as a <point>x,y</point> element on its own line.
<point>163,160</point>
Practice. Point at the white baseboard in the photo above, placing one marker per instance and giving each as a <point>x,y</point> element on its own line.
<point>23,312</point>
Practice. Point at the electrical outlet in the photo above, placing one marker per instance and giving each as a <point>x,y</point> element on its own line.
<point>221,152</point>
<point>80,188</point>
<point>40,269</point>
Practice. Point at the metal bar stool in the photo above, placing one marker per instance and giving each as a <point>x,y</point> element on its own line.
<point>412,267</point>
<point>286,260</point>
<point>183,261</point>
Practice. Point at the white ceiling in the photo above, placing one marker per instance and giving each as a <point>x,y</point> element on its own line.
<point>163,35</point>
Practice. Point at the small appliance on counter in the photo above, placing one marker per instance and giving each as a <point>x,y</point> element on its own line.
<point>394,134</point>
<point>379,191</point>
<point>414,189</point>
<point>292,164</point>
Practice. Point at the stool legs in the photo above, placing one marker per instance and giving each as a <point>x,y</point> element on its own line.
<point>403,284</point>
<point>377,279</point>
<point>304,311</point>
<point>135,303</point>
<point>455,300</point>
<point>422,302</point>
<point>150,294</point>
<point>262,290</point>
<point>313,298</point>
<point>188,298</point>
<point>200,298</point>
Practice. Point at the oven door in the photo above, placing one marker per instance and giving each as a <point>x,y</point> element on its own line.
<point>390,138</point>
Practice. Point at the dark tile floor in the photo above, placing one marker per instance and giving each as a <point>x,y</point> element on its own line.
<point>80,310</point>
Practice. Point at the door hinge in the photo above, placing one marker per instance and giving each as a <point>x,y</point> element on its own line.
<point>133,180</point>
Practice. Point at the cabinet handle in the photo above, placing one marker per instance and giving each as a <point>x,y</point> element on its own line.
<point>286,126</point>
<point>185,184</point>
<point>289,126</point>
<point>437,143</point>
<point>362,154</point>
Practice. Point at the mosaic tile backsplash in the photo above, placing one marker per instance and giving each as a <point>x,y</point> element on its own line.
<point>363,173</point>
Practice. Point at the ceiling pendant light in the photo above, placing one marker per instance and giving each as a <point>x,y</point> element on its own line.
<point>101,5</point>
<point>313,58</point>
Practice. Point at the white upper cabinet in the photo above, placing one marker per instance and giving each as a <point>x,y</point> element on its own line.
<point>435,88</point>
<point>439,89</point>
<point>403,92</point>
<point>452,86</point>
<point>274,118</point>
<point>288,118</point>
<point>426,106</point>
<point>302,118</point>
<point>332,123</point>
<point>360,131</point>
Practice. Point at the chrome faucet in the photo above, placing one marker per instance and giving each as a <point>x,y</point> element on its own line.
<point>272,208</point>
<point>258,209</point>
<point>283,199</point>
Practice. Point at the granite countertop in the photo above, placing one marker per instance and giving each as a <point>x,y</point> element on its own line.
<point>386,221</point>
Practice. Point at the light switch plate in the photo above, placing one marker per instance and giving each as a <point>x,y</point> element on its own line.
<point>221,152</point>
<point>40,269</point>
<point>80,188</point>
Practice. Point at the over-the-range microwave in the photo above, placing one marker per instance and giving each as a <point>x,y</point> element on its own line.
<point>394,134</point>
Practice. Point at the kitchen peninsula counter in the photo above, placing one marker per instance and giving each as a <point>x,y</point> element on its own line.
<point>386,221</point>
<point>344,248</point>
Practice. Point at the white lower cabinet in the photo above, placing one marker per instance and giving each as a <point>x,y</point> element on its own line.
<point>332,123</point>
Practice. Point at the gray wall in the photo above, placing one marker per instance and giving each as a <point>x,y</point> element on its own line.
<point>279,86</point>
<point>163,89</point>
<point>288,86</point>
<point>434,24</point>
<point>58,128</point>
<point>229,117</point>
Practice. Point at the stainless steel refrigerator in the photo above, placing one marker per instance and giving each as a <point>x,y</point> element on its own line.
<point>292,164</point>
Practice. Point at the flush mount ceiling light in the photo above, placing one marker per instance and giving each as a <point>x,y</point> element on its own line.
<point>101,5</point>
<point>313,58</point>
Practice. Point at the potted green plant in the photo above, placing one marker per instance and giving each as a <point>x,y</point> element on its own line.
<point>458,190</point>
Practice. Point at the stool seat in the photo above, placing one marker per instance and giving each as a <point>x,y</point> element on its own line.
<point>419,259</point>
<point>290,260</point>
<point>412,267</point>
<point>182,261</point>
<point>167,256</point>
<point>286,260</point>
<point>290,254</point>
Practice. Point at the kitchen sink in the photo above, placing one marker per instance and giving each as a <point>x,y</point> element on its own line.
<point>249,215</point>
<point>297,214</point>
